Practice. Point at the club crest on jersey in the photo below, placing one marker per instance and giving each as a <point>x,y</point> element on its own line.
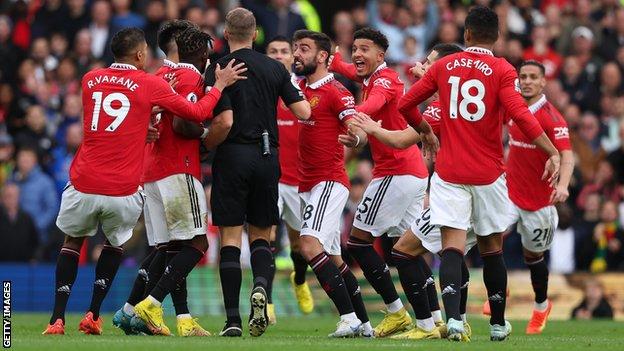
<point>384,82</point>
<point>314,101</point>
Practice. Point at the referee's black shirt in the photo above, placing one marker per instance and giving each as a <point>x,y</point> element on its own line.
<point>254,100</point>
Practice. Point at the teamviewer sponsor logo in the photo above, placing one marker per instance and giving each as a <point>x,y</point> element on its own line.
<point>6,314</point>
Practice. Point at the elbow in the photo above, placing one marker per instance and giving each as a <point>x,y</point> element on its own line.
<point>304,112</point>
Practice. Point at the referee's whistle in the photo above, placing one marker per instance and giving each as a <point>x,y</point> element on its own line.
<point>266,150</point>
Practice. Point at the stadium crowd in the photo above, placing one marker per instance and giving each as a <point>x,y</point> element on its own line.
<point>47,45</point>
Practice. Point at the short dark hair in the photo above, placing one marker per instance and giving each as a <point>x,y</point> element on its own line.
<point>240,24</point>
<point>483,24</point>
<point>534,63</point>
<point>321,40</point>
<point>279,38</point>
<point>169,31</point>
<point>192,42</point>
<point>126,40</point>
<point>446,49</point>
<point>373,35</point>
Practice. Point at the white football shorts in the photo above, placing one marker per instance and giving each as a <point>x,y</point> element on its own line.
<point>80,214</point>
<point>289,205</point>
<point>175,209</point>
<point>322,214</point>
<point>390,205</point>
<point>484,207</point>
<point>536,228</point>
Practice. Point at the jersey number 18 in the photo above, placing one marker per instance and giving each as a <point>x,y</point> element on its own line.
<point>466,99</point>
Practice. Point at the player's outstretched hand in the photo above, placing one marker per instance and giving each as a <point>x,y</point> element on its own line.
<point>551,170</point>
<point>367,124</point>
<point>559,194</point>
<point>331,57</point>
<point>152,134</point>
<point>418,70</point>
<point>350,139</point>
<point>430,145</point>
<point>229,74</point>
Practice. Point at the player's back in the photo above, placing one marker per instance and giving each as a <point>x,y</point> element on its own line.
<point>321,156</point>
<point>116,115</point>
<point>471,85</point>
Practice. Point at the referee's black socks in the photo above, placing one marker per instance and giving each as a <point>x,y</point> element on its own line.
<point>231,276</point>
<point>262,264</point>
<point>495,279</point>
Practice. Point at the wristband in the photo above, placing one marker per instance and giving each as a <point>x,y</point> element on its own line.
<point>357,142</point>
<point>205,133</point>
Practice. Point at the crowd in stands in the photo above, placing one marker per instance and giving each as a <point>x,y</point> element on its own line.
<point>47,45</point>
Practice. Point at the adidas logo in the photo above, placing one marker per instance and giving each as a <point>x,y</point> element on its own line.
<point>167,269</point>
<point>386,269</point>
<point>305,225</point>
<point>101,283</point>
<point>357,291</point>
<point>449,290</point>
<point>429,281</point>
<point>143,274</point>
<point>358,217</point>
<point>65,289</point>
<point>498,297</point>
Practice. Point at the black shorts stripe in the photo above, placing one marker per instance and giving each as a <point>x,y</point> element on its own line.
<point>322,205</point>
<point>194,201</point>
<point>379,195</point>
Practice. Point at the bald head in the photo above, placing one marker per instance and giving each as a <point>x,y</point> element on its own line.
<point>240,25</point>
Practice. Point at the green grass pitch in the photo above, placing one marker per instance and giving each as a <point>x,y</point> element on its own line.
<point>302,333</point>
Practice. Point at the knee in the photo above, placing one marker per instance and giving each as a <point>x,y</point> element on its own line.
<point>73,243</point>
<point>200,243</point>
<point>532,257</point>
<point>309,247</point>
<point>356,245</point>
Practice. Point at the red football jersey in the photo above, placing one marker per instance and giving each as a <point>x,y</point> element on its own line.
<point>381,94</point>
<point>288,130</point>
<point>321,156</point>
<point>166,72</point>
<point>173,153</point>
<point>117,105</point>
<point>525,163</point>
<point>473,87</point>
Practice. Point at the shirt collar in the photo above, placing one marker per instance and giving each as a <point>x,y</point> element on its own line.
<point>169,63</point>
<point>379,68</point>
<point>478,50</point>
<point>188,66</point>
<point>319,83</point>
<point>538,104</point>
<point>123,66</point>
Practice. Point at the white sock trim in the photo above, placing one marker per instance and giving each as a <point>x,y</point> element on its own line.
<point>349,317</point>
<point>395,306</point>
<point>128,309</point>
<point>437,316</point>
<point>425,324</point>
<point>464,318</point>
<point>541,306</point>
<point>154,301</point>
<point>184,316</point>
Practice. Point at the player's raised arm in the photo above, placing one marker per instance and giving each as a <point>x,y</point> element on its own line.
<point>380,94</point>
<point>293,97</point>
<point>419,92</point>
<point>336,64</point>
<point>398,139</point>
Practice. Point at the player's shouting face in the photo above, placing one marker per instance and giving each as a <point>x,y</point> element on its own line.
<point>532,81</point>
<point>308,56</point>
<point>366,56</point>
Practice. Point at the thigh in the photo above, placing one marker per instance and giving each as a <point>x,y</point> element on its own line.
<point>451,204</point>
<point>261,203</point>
<point>491,207</point>
<point>536,228</point>
<point>322,214</point>
<point>184,202</point>
<point>78,215</point>
<point>154,215</point>
<point>119,216</point>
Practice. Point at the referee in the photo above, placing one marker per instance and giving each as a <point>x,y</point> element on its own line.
<point>246,168</point>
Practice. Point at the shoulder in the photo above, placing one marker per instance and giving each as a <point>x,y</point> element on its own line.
<point>335,85</point>
<point>551,115</point>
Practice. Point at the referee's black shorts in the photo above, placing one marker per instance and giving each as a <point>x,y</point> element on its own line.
<point>244,187</point>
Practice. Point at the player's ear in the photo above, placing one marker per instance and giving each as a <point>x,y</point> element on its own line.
<point>226,35</point>
<point>255,36</point>
<point>467,35</point>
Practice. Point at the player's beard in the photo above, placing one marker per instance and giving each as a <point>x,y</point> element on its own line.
<point>306,70</point>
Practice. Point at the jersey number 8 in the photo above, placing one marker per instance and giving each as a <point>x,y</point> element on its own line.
<point>119,113</point>
<point>467,99</point>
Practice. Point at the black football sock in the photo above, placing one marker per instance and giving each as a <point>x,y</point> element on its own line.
<point>66,270</point>
<point>156,268</point>
<point>353,288</point>
<point>495,279</point>
<point>374,268</point>
<point>269,288</point>
<point>330,279</point>
<point>262,263</point>
<point>231,276</point>
<point>179,294</point>
<point>105,271</point>
<point>539,278</point>
<point>177,269</point>
<point>138,288</point>
<point>465,279</point>
<point>414,283</point>
<point>432,292</point>
<point>450,282</point>
<point>300,266</point>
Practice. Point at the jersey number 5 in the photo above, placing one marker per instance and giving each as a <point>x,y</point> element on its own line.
<point>467,99</point>
<point>119,114</point>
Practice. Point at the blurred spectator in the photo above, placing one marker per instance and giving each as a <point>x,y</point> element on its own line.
<point>343,27</point>
<point>77,19</point>
<point>613,36</point>
<point>6,157</point>
<point>616,158</point>
<point>581,17</point>
<point>562,249</point>
<point>43,61</point>
<point>587,146</point>
<point>594,304</point>
<point>542,52</point>
<point>59,45</point>
<point>275,18</point>
<point>124,17</point>
<point>155,14</point>
<point>9,53</point>
<point>101,31</point>
<point>62,156</point>
<point>35,134</point>
<point>603,184</point>
<point>17,229</point>
<point>584,231</point>
<point>71,113</point>
<point>37,192</point>
<point>51,16</point>
<point>82,52</point>
<point>607,241</point>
